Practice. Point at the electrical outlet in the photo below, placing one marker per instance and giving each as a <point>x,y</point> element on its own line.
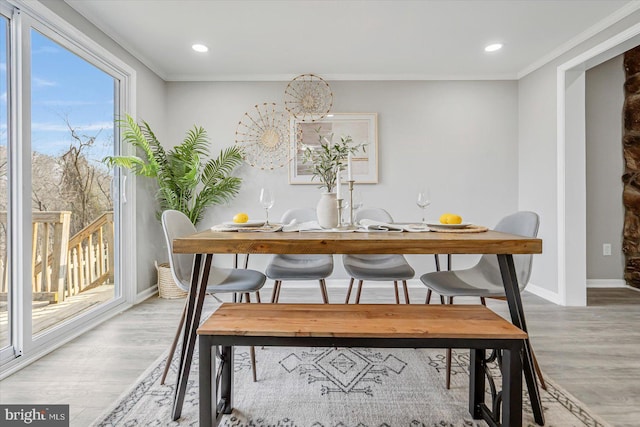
<point>606,249</point>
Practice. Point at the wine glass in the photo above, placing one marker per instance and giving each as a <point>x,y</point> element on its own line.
<point>267,200</point>
<point>358,201</point>
<point>357,204</point>
<point>423,200</point>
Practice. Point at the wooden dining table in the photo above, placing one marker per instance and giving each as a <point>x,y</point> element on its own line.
<point>207,243</point>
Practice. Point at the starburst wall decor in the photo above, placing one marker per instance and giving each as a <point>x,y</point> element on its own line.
<point>263,134</point>
<point>308,97</point>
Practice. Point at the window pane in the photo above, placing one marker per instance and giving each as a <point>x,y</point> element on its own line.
<point>72,128</point>
<point>5,289</point>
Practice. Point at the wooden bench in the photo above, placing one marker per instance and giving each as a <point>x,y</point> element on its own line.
<point>375,326</point>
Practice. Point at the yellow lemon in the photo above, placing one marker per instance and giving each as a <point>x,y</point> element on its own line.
<point>455,219</point>
<point>241,218</point>
<point>444,218</point>
<point>449,218</point>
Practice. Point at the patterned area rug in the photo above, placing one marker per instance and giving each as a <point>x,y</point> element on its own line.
<point>336,387</point>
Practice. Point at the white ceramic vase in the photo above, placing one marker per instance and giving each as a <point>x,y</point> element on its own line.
<point>327,210</point>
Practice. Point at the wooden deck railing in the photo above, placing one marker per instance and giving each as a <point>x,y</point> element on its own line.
<point>72,265</point>
<point>91,256</point>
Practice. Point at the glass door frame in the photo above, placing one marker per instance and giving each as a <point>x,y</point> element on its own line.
<point>25,347</point>
<point>15,331</point>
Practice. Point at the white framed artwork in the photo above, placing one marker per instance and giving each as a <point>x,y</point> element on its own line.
<point>361,127</point>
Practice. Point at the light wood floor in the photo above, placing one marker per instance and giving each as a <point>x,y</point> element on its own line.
<point>593,352</point>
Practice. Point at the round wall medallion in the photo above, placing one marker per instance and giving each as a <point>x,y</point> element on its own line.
<point>263,134</point>
<point>308,97</point>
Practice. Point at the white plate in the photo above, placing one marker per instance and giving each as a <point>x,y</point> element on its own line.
<point>436,225</point>
<point>250,223</point>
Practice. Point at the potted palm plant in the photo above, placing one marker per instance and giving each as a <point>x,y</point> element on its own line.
<point>187,180</point>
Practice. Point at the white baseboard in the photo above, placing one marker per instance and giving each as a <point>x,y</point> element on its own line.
<point>146,294</point>
<point>607,283</point>
<point>543,293</point>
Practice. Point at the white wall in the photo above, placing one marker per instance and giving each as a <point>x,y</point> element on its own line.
<point>150,101</point>
<point>537,168</point>
<point>459,136</point>
<point>605,166</point>
<point>538,159</point>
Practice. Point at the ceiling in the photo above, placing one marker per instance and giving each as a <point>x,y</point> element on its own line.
<point>348,39</point>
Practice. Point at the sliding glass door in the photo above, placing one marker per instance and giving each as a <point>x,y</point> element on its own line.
<point>61,214</point>
<point>5,289</point>
<point>72,130</point>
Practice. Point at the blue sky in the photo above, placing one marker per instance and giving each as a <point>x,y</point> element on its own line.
<point>64,87</point>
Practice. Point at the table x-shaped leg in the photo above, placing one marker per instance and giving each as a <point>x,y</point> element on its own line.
<point>197,293</point>
<point>510,281</point>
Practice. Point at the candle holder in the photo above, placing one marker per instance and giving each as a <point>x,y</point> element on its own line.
<point>351,182</point>
<point>350,225</point>
<point>339,205</point>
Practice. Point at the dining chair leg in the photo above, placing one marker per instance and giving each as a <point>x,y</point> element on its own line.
<point>258,297</point>
<point>359,291</point>
<point>429,292</point>
<point>543,384</point>
<point>274,293</point>
<point>346,300</point>
<point>247,297</point>
<point>483,301</point>
<point>395,287</point>
<point>449,354</point>
<point>406,292</point>
<point>172,349</point>
<point>252,355</point>
<point>252,349</point>
<point>279,289</point>
<point>448,378</point>
<point>323,290</point>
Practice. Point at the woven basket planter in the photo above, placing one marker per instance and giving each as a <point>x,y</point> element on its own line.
<point>167,287</point>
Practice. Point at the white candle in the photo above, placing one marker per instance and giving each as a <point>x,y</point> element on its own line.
<point>338,184</point>
<point>349,174</point>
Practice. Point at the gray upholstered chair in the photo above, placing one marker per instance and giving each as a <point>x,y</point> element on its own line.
<point>484,279</point>
<point>381,268</point>
<point>299,267</point>
<point>221,280</point>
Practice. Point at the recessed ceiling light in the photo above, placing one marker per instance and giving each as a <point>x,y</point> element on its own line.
<point>493,47</point>
<point>200,48</point>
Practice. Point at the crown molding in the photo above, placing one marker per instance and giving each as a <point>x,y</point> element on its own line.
<point>617,16</point>
<point>111,34</point>
<point>333,77</point>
